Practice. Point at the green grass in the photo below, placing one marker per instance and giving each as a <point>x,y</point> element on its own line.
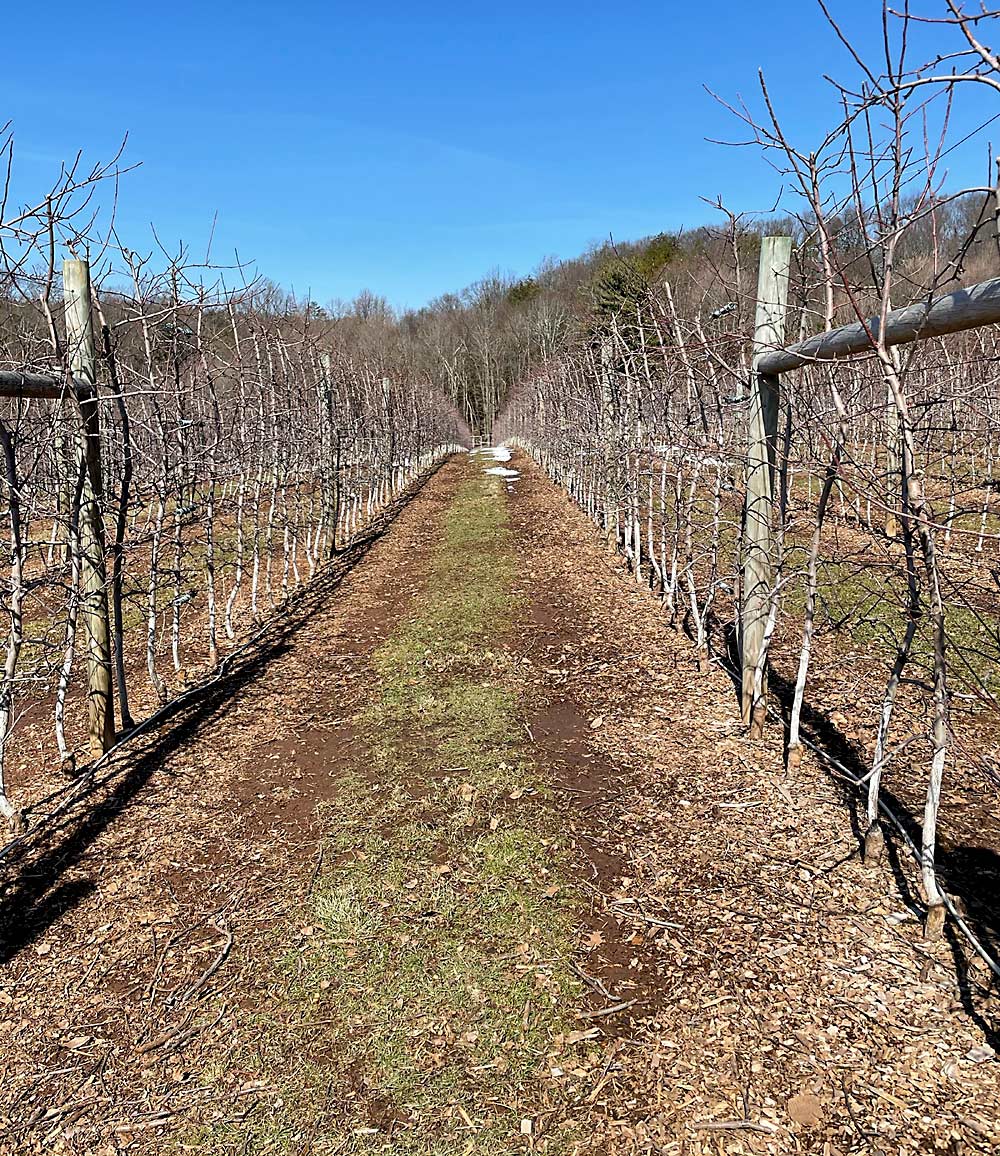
<point>865,608</point>
<point>862,597</point>
<point>443,932</point>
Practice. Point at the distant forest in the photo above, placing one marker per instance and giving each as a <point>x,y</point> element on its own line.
<point>474,345</point>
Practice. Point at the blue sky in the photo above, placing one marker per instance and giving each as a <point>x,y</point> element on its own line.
<point>412,148</point>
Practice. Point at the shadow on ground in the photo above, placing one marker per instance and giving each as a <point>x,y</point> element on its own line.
<point>33,892</point>
<point>970,874</point>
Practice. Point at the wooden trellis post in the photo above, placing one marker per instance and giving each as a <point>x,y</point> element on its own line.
<point>93,572</point>
<point>762,432</point>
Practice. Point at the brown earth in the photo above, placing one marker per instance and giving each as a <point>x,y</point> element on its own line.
<point>760,990</point>
<point>782,979</point>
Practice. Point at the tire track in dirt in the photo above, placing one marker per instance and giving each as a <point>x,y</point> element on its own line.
<point>192,859</point>
<point>434,998</point>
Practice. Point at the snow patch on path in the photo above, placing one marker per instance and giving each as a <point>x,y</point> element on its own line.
<point>499,454</point>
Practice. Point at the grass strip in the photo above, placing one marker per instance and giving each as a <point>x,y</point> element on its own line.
<point>439,955</point>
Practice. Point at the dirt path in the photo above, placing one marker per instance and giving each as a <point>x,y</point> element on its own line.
<point>466,858</point>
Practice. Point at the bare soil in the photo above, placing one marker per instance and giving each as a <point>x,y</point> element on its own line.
<point>749,985</point>
<point>786,998</point>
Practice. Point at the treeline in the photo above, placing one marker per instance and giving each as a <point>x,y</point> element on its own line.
<point>476,344</point>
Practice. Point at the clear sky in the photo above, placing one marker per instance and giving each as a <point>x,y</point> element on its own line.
<point>411,148</point>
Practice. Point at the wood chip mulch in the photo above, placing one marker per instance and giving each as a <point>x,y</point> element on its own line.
<point>754,988</point>
<point>785,998</point>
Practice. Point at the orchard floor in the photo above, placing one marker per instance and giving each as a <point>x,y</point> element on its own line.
<point>465,857</point>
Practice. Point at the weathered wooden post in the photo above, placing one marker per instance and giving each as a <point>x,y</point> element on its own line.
<point>762,432</point>
<point>94,600</point>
